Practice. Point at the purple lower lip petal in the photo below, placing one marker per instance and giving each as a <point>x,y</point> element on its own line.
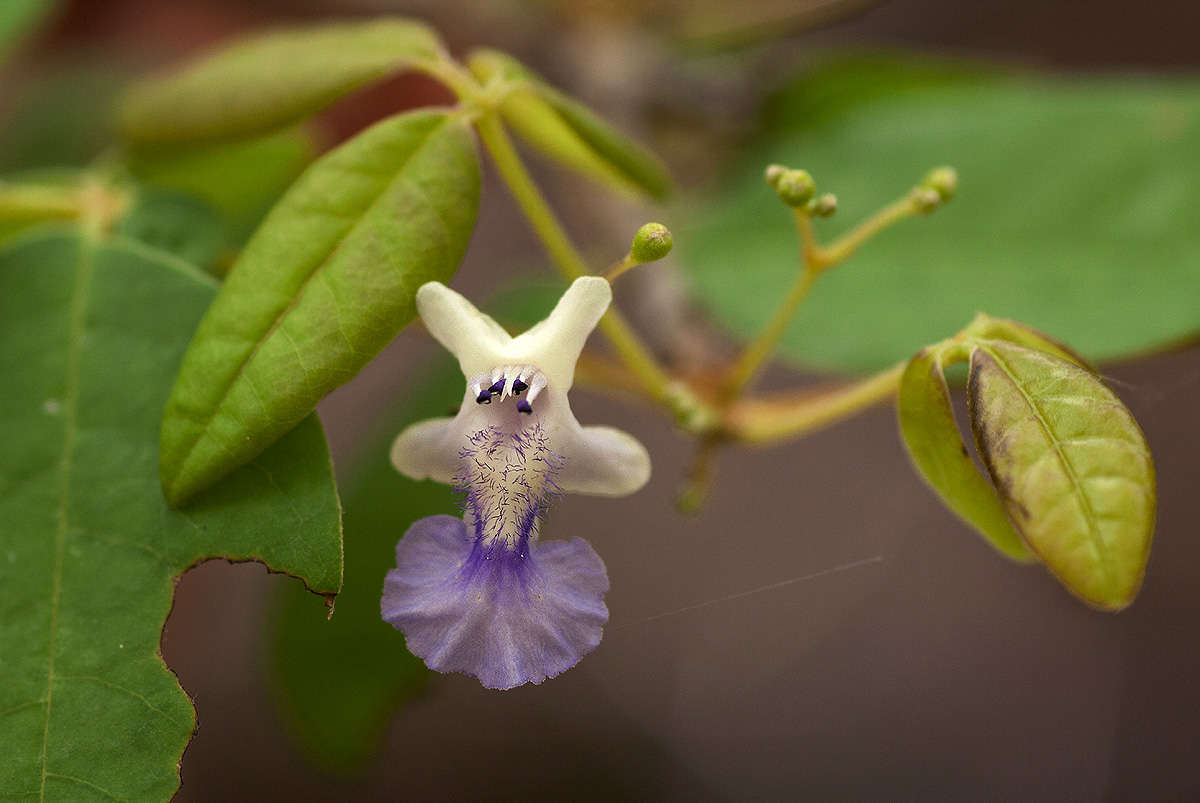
<point>481,594</point>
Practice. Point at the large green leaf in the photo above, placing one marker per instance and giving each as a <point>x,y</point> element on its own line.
<point>340,681</point>
<point>931,435</point>
<point>180,224</point>
<point>326,282</point>
<point>60,118</point>
<point>568,131</point>
<point>1070,463</point>
<point>272,80</point>
<point>1074,214</point>
<point>241,179</point>
<point>91,334</point>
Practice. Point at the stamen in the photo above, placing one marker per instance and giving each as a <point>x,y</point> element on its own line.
<point>519,387</point>
<point>483,395</point>
<point>536,385</point>
<point>523,406</point>
<point>497,386</point>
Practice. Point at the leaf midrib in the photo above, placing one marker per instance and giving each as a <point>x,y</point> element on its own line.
<point>1084,503</point>
<point>233,381</point>
<point>79,301</point>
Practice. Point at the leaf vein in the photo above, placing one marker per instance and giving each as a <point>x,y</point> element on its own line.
<point>14,709</point>
<point>88,784</point>
<point>1085,504</point>
<point>130,692</point>
<point>79,300</point>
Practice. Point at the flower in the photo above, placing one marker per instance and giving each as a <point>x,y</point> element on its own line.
<point>481,594</point>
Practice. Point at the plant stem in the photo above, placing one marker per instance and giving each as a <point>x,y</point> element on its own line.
<point>764,420</point>
<point>654,380</point>
<point>761,347</point>
<point>841,248</point>
<point>700,476</point>
<point>533,204</point>
<point>619,268</point>
<point>817,260</point>
<point>26,203</point>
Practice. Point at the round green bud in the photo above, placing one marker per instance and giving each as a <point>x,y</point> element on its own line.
<point>795,187</point>
<point>943,181</point>
<point>773,173</point>
<point>824,206</point>
<point>925,199</point>
<point>652,241</point>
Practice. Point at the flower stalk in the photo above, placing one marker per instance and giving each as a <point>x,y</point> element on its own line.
<point>658,385</point>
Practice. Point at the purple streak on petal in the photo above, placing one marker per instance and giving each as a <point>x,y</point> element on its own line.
<point>505,617</point>
<point>507,481</point>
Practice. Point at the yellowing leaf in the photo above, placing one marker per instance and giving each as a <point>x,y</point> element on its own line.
<point>1071,465</point>
<point>931,435</point>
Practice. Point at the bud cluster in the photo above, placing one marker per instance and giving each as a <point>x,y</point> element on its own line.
<point>797,189</point>
<point>938,186</point>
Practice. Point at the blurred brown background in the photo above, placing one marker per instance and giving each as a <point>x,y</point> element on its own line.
<point>938,672</point>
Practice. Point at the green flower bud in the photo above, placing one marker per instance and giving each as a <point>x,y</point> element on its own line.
<point>823,206</point>
<point>925,199</point>
<point>652,241</point>
<point>774,173</point>
<point>943,181</point>
<point>795,187</point>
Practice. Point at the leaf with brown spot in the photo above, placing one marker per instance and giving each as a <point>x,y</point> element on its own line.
<point>1071,465</point>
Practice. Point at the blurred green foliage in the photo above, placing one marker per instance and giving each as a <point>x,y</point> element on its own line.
<point>1074,213</point>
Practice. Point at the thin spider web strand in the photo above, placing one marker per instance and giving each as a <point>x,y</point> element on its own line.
<point>845,567</point>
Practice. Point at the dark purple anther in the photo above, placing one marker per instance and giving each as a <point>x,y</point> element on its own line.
<point>484,397</point>
<point>524,406</point>
<point>519,387</point>
<point>498,386</point>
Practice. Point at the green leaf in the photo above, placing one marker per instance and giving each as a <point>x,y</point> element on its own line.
<point>1070,216</point>
<point>1072,467</point>
<point>989,328</point>
<point>61,118</point>
<point>269,81</point>
<point>178,224</point>
<point>339,682</point>
<point>241,179</point>
<point>931,434</point>
<point>568,131</point>
<point>91,333</point>
<point>325,283</point>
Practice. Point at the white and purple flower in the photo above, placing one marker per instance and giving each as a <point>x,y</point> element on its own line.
<point>481,594</point>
